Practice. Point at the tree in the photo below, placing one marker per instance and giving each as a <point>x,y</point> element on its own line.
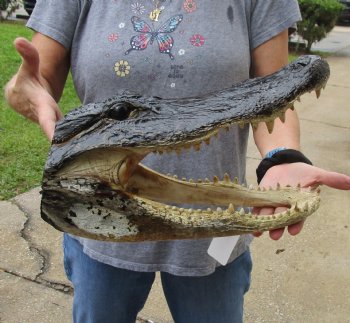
<point>318,19</point>
<point>9,6</point>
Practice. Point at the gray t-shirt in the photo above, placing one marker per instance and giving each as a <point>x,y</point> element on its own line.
<point>195,47</point>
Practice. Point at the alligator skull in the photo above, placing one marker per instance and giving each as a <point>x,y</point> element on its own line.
<point>94,186</point>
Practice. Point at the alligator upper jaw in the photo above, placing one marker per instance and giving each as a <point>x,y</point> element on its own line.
<point>130,121</point>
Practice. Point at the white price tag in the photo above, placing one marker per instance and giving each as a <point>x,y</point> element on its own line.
<point>221,248</point>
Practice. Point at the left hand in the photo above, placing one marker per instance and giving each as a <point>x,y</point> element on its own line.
<point>294,174</point>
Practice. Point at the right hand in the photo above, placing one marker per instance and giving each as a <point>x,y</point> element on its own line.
<point>28,92</point>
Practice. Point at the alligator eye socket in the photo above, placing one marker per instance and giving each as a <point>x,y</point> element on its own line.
<point>120,111</point>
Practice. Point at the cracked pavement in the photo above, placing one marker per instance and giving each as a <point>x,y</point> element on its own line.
<point>295,280</point>
<point>33,287</point>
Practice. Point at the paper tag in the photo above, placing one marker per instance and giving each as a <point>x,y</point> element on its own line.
<point>221,248</point>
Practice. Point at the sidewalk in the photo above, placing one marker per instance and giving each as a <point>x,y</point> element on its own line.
<point>337,42</point>
<point>295,280</point>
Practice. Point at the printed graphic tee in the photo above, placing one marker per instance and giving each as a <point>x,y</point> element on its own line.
<point>192,48</point>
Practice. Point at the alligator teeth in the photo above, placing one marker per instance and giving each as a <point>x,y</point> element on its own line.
<point>209,210</point>
<point>318,93</point>
<point>241,211</point>
<point>215,179</point>
<point>298,99</point>
<point>219,210</point>
<point>270,125</point>
<point>184,179</point>
<point>207,141</point>
<point>197,146</point>
<point>251,187</point>
<point>255,125</point>
<point>231,208</point>
<point>241,125</point>
<point>235,180</point>
<point>227,178</point>
<point>292,107</point>
<point>207,180</point>
<point>283,117</point>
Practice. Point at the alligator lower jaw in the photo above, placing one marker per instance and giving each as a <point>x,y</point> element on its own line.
<point>152,189</point>
<point>128,192</point>
<point>136,212</point>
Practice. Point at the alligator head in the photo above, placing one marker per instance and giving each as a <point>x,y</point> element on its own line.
<point>94,186</point>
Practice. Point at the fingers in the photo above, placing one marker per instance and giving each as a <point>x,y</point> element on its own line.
<point>30,56</point>
<point>276,234</point>
<point>335,180</point>
<point>295,228</point>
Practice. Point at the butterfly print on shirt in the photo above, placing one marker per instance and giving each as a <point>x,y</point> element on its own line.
<point>147,35</point>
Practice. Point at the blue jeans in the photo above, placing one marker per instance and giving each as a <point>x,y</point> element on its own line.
<point>106,294</point>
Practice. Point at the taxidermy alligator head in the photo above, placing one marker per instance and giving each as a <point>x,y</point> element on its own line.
<point>94,186</point>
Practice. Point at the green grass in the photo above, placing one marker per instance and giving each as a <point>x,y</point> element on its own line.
<point>23,146</point>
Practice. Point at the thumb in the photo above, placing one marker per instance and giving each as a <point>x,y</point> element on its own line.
<point>29,54</point>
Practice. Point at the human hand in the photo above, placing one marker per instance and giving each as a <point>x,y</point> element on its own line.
<point>28,92</point>
<point>294,174</point>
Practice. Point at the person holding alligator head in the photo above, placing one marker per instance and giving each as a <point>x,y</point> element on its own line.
<point>167,49</point>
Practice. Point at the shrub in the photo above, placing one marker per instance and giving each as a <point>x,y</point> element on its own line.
<point>319,18</point>
<point>10,6</point>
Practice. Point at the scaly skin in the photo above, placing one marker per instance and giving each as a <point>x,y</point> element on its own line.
<point>94,186</point>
